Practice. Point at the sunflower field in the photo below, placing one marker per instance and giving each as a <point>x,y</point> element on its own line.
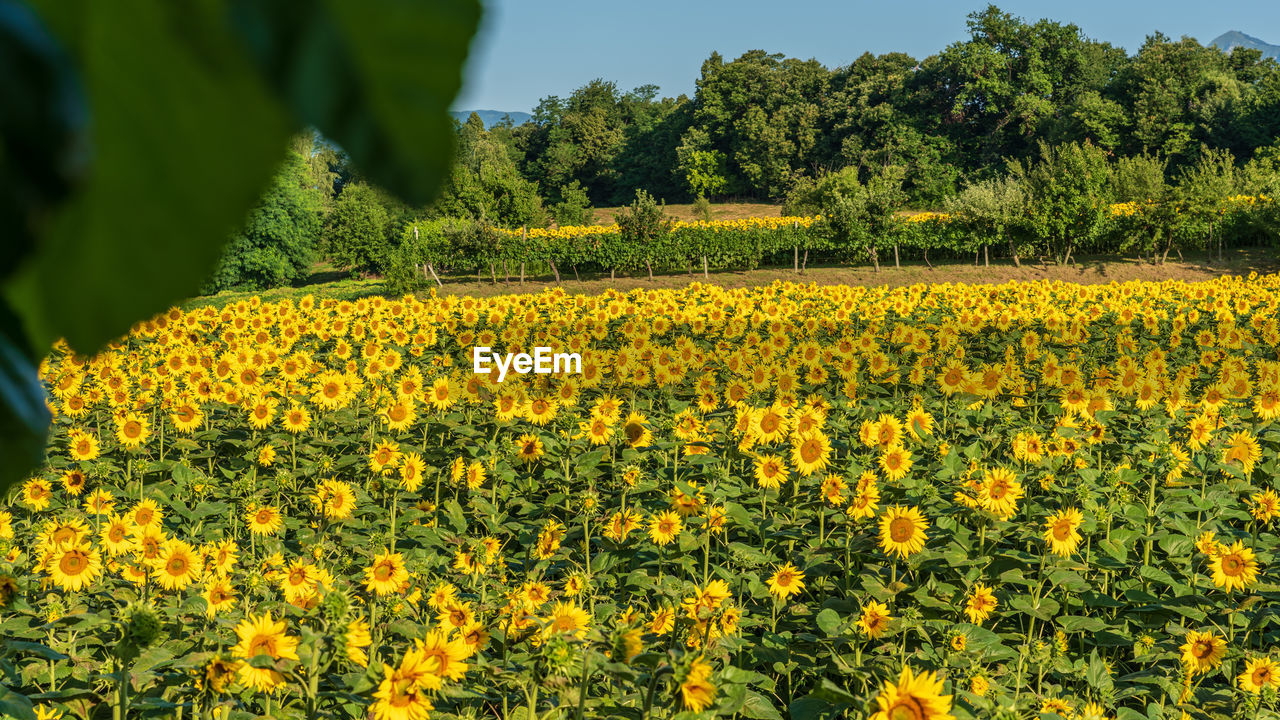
<point>1035,500</point>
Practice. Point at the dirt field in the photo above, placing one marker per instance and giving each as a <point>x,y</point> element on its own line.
<point>719,211</point>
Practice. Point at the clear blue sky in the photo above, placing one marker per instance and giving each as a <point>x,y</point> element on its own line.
<point>528,49</point>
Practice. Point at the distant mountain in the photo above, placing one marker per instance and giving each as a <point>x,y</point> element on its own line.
<point>1230,40</point>
<point>492,117</point>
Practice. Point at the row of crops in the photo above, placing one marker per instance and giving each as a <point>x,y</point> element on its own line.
<point>1026,500</point>
<point>1148,231</point>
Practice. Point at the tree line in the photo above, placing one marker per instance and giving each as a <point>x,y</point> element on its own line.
<point>972,121</point>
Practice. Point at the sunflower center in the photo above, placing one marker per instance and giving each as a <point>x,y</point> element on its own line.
<point>907,708</point>
<point>73,563</point>
<point>1061,530</point>
<point>1231,565</point>
<point>901,529</point>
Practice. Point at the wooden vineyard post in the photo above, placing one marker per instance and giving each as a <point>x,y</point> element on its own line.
<point>795,251</point>
<point>704,267</point>
<point>524,243</point>
<point>895,256</point>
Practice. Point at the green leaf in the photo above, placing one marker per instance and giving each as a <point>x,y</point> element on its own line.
<point>1080,623</point>
<point>758,707</point>
<point>14,705</point>
<point>828,621</point>
<point>378,78</point>
<point>180,118</point>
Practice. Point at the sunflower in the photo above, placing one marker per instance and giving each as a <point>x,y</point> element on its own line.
<point>83,446</point>
<point>1259,674</point>
<point>264,520</point>
<point>74,566</point>
<point>980,603</point>
<point>132,431</point>
<point>787,580</point>
<point>222,557</point>
<point>810,452</point>
<point>296,419</point>
<point>874,619</point>
<point>697,692</point>
<point>635,430</point>
<point>336,500</point>
<point>187,416</point>
<point>1203,651</point>
<point>412,467</point>
<point>441,394</point>
<point>1000,492</point>
<point>177,566</point>
<point>220,595</point>
<point>1061,531</point>
<point>1234,567</point>
<point>913,697</point>
<point>895,461</point>
<point>1265,506</point>
<point>218,674</point>
<point>263,636</point>
<point>771,471</point>
<point>299,581</point>
<point>386,456</point>
<point>541,410</point>
<point>529,448</point>
<point>902,531</point>
<point>567,618</point>
<point>74,481</point>
<point>400,696</point>
<point>356,639</point>
<point>1242,449</point>
<point>387,574</point>
<point>664,527</point>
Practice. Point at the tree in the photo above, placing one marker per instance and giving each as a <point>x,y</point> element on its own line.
<point>703,171</point>
<point>356,233</point>
<point>575,206</point>
<point>1202,191</point>
<point>278,241</point>
<point>643,227</point>
<point>992,211</point>
<point>1068,195</point>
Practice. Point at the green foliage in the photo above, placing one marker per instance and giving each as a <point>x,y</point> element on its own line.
<point>1068,195</point>
<point>574,207</point>
<point>703,171</point>
<point>486,182</point>
<point>278,241</point>
<point>192,108</point>
<point>643,228</point>
<point>356,234</point>
<point>702,209</point>
<point>992,213</point>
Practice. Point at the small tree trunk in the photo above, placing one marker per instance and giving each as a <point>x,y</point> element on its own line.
<point>805,263</point>
<point>795,259</point>
<point>650,269</point>
<point>895,256</point>
<point>704,267</point>
<point>975,258</point>
<point>432,268</point>
<point>875,259</point>
<point>986,255</point>
<point>506,270</point>
<point>926,259</point>
<point>521,272</point>
<point>554,270</point>
<point>493,273</point>
<point>575,274</point>
<point>612,274</point>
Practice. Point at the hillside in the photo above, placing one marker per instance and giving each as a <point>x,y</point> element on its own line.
<point>1234,39</point>
<point>492,117</point>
